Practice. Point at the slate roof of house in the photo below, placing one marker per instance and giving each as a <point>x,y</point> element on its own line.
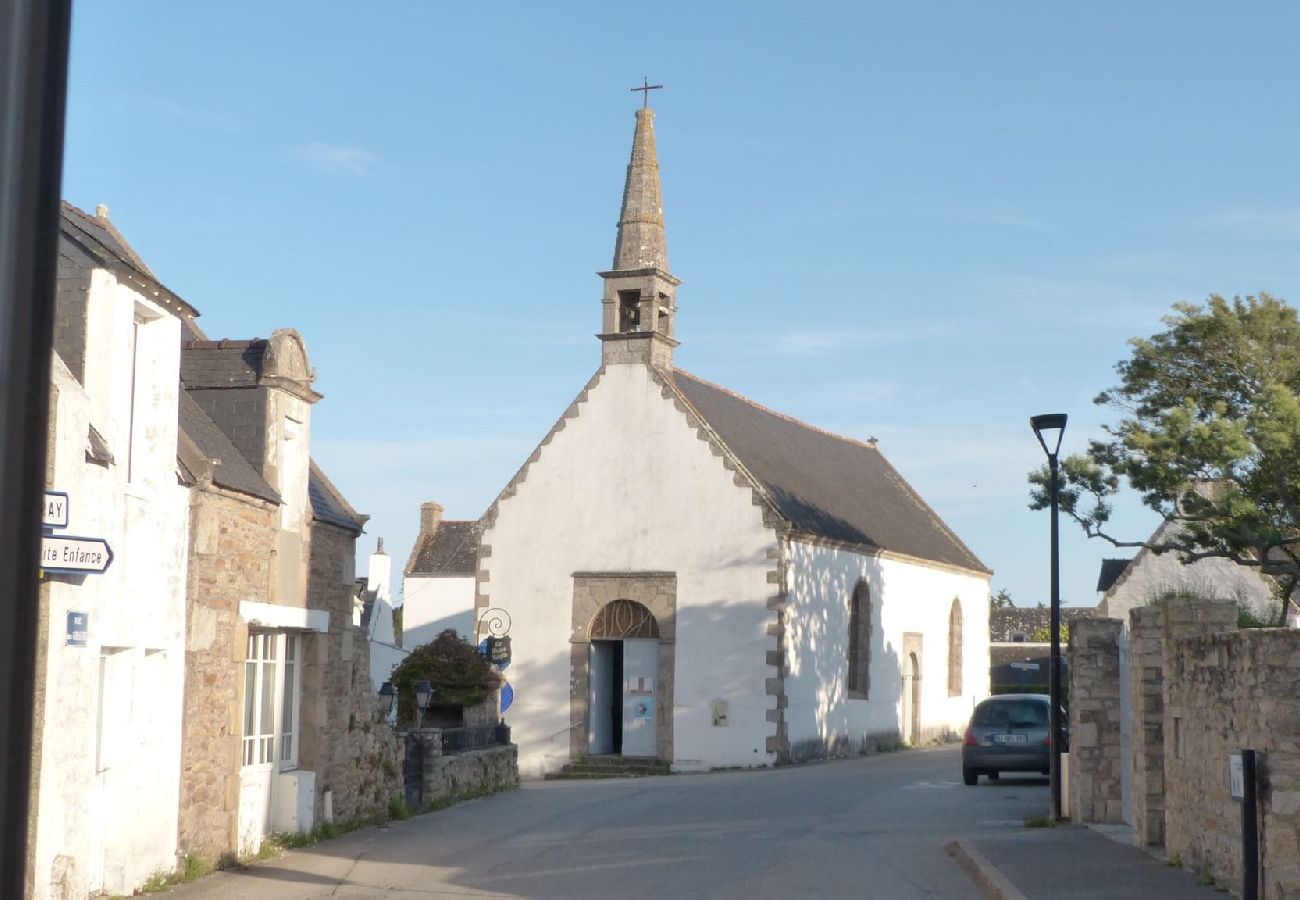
<point>101,240</point>
<point>328,503</point>
<point>1111,569</point>
<point>825,484</point>
<point>452,549</point>
<point>233,471</point>
<point>222,364</point>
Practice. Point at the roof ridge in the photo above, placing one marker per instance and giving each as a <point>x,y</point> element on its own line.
<point>779,415</point>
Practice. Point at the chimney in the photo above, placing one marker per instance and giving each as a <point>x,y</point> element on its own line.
<point>101,211</point>
<point>430,517</point>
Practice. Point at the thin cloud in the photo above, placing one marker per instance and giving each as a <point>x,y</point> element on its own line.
<point>336,158</point>
<point>1254,222</point>
<point>821,341</point>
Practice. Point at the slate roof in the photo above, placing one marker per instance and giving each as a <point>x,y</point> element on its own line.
<point>824,484</point>
<point>452,549</point>
<point>234,471</point>
<point>1111,569</point>
<point>103,242</point>
<point>328,504</point>
<point>222,364</point>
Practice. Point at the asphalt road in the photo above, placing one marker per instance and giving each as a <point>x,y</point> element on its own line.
<point>867,827</point>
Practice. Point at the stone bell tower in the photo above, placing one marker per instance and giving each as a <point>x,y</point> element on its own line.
<point>639,304</point>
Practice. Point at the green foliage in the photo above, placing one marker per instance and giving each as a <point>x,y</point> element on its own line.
<point>458,674</point>
<point>1044,635</point>
<point>1040,822</point>
<point>1208,434</point>
<point>397,624</point>
<point>1001,600</point>
<point>398,810</point>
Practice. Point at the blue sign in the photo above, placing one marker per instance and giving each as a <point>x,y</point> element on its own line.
<point>78,629</point>
<point>507,696</point>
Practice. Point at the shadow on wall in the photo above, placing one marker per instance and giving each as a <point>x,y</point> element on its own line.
<point>823,632</point>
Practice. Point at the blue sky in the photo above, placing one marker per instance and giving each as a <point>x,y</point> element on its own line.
<point>923,222</point>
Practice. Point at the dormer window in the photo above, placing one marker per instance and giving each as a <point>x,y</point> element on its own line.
<point>629,311</point>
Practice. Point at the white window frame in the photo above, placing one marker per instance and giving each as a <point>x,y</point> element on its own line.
<point>270,724</point>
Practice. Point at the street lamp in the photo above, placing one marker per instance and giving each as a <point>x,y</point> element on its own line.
<point>1051,428</point>
<point>388,696</point>
<point>423,692</point>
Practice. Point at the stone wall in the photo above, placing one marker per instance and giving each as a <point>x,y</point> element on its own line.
<point>345,738</point>
<point>230,560</point>
<point>1151,629</point>
<point>1226,692</point>
<point>1095,759</point>
<point>462,776</point>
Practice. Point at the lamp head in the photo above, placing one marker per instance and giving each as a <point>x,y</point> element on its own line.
<point>389,694</point>
<point>1049,427</point>
<point>423,692</point>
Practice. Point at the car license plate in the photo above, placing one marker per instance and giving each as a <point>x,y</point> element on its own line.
<point>1010,738</point>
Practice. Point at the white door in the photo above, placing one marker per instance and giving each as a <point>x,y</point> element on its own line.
<point>640,671</point>
<point>600,698</point>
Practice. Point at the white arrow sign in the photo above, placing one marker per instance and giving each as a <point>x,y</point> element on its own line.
<point>55,512</point>
<point>66,553</point>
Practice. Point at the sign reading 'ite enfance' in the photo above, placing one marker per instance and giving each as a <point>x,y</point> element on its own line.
<point>66,553</point>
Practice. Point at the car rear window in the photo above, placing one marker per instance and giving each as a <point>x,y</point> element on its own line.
<point>1024,713</point>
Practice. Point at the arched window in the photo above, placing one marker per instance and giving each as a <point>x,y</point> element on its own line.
<point>622,619</point>
<point>954,649</point>
<point>859,680</point>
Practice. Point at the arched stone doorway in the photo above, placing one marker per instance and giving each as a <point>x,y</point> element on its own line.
<point>909,726</point>
<point>623,666</point>
<point>622,659</point>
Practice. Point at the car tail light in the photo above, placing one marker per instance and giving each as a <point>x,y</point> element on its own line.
<point>1047,741</point>
<point>969,739</point>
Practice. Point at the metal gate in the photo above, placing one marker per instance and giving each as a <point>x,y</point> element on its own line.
<point>413,771</point>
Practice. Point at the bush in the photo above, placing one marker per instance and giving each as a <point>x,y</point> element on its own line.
<point>459,675</point>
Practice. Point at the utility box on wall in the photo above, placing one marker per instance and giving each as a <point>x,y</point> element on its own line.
<point>295,802</point>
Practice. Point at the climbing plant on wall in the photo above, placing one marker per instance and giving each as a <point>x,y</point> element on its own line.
<point>457,673</point>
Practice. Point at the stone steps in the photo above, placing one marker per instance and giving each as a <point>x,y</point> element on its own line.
<point>610,767</point>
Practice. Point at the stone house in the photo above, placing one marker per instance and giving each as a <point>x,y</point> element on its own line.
<point>111,651</point>
<point>1148,576</point>
<point>277,667</point>
<point>689,576</point>
<point>438,581</point>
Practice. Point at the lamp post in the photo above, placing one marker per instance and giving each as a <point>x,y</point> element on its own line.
<point>388,696</point>
<point>1051,427</point>
<point>423,692</point>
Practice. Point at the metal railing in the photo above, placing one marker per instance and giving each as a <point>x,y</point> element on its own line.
<point>480,737</point>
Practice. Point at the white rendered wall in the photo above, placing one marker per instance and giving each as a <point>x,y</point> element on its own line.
<point>627,485</point>
<point>1155,574</point>
<point>905,597</point>
<point>108,797</point>
<point>432,604</point>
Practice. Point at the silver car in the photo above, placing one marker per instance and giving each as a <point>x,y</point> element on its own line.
<point>1007,733</point>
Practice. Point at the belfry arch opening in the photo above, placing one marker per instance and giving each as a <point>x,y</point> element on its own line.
<point>623,661</point>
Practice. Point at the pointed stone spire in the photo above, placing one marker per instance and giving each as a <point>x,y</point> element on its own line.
<point>639,314</point>
<point>642,243</point>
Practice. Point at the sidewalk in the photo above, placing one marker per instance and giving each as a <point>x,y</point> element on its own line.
<point>1070,861</point>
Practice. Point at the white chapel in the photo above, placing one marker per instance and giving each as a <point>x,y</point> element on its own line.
<point>693,578</point>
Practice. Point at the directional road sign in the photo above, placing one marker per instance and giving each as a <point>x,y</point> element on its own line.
<point>69,553</point>
<point>55,511</point>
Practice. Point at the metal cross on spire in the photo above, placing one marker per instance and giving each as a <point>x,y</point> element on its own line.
<point>645,89</point>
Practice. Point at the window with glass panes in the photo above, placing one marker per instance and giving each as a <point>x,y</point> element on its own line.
<point>271,687</point>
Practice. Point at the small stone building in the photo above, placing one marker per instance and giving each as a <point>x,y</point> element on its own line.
<point>692,577</point>
<point>278,675</point>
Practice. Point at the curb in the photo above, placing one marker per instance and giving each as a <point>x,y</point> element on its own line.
<point>990,880</point>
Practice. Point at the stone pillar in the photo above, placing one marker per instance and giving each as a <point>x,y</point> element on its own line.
<point>1152,628</point>
<point>1146,683</point>
<point>1095,790</point>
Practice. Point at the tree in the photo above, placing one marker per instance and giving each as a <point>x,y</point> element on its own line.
<point>1208,434</point>
<point>457,673</point>
<point>1001,600</point>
